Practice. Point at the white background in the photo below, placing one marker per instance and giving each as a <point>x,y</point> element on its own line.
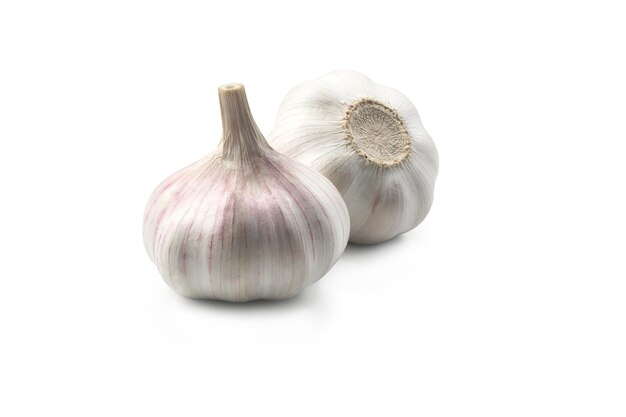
<point>509,300</point>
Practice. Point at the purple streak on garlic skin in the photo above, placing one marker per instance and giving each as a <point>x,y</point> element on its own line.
<point>245,222</point>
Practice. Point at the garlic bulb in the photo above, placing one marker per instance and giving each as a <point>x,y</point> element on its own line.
<point>369,141</point>
<point>244,222</point>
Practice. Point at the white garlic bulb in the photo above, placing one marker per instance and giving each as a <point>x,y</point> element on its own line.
<point>367,139</point>
<point>244,222</point>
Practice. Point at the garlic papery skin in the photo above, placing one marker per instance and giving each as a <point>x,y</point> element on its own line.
<point>244,222</point>
<point>367,139</point>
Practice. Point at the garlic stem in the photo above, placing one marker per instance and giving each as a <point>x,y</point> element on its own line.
<point>241,138</point>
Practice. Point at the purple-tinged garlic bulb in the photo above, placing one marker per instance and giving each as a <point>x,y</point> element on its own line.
<point>244,222</point>
<point>367,139</point>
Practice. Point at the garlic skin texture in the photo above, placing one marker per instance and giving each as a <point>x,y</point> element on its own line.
<point>367,139</point>
<point>244,222</point>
